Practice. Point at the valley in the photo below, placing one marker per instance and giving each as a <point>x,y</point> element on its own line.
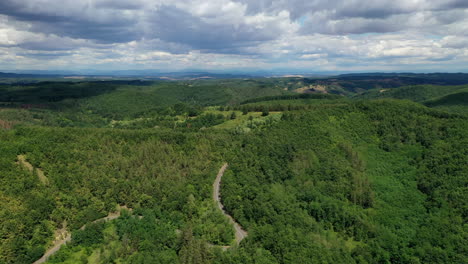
<point>371,171</point>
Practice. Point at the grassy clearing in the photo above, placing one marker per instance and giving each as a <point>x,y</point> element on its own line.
<point>242,120</point>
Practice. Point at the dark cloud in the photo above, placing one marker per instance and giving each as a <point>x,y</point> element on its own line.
<point>54,43</point>
<point>449,4</point>
<point>122,21</point>
<point>19,11</point>
<point>171,24</point>
<point>47,45</point>
<point>76,21</point>
<point>99,32</point>
<point>350,26</point>
<point>119,4</point>
<point>45,55</point>
<point>336,8</point>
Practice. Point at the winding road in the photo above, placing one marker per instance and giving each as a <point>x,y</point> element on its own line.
<point>240,232</point>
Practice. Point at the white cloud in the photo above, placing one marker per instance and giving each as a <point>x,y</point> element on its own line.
<point>333,34</point>
<point>313,56</point>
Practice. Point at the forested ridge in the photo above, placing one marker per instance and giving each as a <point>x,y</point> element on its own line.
<point>314,178</point>
<point>361,183</point>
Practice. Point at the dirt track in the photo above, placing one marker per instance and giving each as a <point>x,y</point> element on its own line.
<point>240,232</point>
<point>40,174</point>
<point>58,244</point>
<point>54,249</point>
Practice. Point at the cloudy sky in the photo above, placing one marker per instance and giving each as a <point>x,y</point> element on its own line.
<point>308,35</point>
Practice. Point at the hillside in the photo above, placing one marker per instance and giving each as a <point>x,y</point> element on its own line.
<point>353,84</point>
<point>448,98</point>
<point>455,102</point>
<point>419,93</point>
<point>91,104</point>
<point>354,183</point>
<point>314,178</point>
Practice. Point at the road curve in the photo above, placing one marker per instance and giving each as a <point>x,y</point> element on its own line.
<point>240,232</point>
<point>53,249</point>
<point>58,244</point>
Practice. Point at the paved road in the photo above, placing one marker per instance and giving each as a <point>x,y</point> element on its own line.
<point>240,232</point>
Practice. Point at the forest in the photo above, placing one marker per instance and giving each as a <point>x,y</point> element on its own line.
<point>327,170</point>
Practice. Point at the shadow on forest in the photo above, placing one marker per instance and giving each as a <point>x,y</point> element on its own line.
<point>51,92</point>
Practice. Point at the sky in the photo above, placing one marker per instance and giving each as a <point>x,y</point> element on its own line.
<point>217,35</point>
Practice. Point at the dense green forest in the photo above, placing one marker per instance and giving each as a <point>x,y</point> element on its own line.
<point>356,183</point>
<point>358,176</point>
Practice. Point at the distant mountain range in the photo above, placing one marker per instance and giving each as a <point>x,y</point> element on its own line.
<point>124,74</point>
<point>437,78</point>
<point>17,75</point>
<point>145,74</point>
